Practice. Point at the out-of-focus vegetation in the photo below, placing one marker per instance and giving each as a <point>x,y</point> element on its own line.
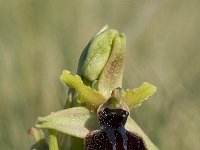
<point>40,38</point>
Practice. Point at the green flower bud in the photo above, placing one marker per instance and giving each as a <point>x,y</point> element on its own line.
<point>96,53</point>
<point>103,60</point>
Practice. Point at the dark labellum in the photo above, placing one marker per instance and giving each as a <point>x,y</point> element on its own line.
<point>113,135</point>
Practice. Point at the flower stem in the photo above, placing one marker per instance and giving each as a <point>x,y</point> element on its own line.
<point>53,143</point>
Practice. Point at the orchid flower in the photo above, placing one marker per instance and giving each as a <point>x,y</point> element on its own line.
<point>100,71</point>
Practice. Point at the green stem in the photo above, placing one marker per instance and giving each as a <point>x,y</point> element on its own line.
<point>53,143</point>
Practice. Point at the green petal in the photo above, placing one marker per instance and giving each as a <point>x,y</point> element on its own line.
<point>111,76</point>
<point>77,121</point>
<point>133,127</point>
<point>86,94</point>
<point>135,97</point>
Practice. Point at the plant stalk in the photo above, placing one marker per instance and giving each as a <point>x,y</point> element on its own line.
<point>53,142</point>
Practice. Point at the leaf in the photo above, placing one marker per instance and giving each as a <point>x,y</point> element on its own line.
<point>111,76</point>
<point>87,95</point>
<point>76,121</point>
<point>79,121</point>
<point>135,97</point>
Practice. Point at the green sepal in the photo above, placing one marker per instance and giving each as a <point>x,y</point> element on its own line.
<point>133,127</point>
<point>112,73</point>
<point>96,53</point>
<point>76,121</point>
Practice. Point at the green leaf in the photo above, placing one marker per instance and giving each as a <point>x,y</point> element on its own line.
<point>77,121</point>
<point>111,76</point>
<point>86,94</point>
<point>135,97</point>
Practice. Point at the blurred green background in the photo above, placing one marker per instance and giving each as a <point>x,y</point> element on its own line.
<point>40,38</point>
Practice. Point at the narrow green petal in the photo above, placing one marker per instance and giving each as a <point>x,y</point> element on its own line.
<point>135,97</point>
<point>112,74</point>
<point>77,121</point>
<point>86,94</point>
<point>133,127</point>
